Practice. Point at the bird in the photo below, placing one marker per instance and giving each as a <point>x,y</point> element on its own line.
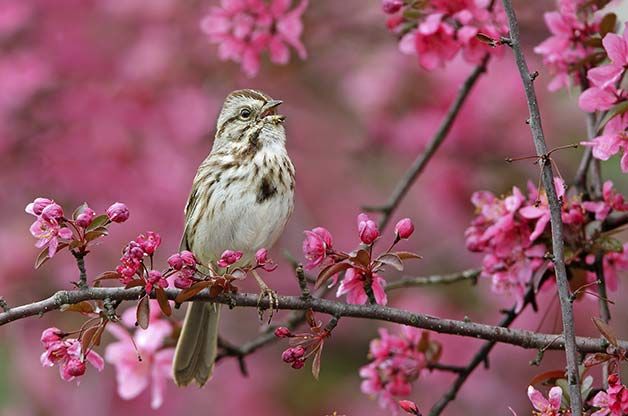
<point>241,199</point>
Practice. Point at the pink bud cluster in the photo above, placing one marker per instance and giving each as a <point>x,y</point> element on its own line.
<point>305,345</point>
<point>364,271</point>
<point>67,354</point>
<point>570,48</point>
<point>184,265</point>
<point>245,29</point>
<point>397,361</point>
<point>437,30</point>
<point>604,94</point>
<point>512,231</point>
<point>54,231</point>
<point>132,260</point>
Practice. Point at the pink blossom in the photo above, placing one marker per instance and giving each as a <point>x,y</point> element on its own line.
<point>397,361</point>
<point>282,332</point>
<point>155,279</point>
<point>184,278</point>
<point>567,45</point>
<point>404,228</point>
<point>611,200</point>
<point>244,29</point>
<point>183,259</point>
<point>67,355</point>
<point>391,6</point>
<point>50,336</point>
<point>229,257</point>
<point>48,233</point>
<point>118,212</point>
<point>134,375</point>
<point>546,407</point>
<point>612,141</point>
<point>613,401</point>
<point>353,286</point>
<point>52,211</point>
<point>264,261</point>
<point>316,246</point>
<point>149,242</point>
<point>613,263</point>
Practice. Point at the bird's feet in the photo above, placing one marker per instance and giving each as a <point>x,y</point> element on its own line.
<point>273,303</point>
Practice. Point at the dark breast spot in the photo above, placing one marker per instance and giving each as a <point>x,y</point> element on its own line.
<point>266,190</point>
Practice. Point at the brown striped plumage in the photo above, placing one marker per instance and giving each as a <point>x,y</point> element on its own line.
<point>241,199</point>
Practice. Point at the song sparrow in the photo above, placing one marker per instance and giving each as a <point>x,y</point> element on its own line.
<point>241,198</point>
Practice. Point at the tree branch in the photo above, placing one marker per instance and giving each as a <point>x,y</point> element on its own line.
<point>422,160</point>
<point>571,350</point>
<point>519,337</point>
<point>444,279</point>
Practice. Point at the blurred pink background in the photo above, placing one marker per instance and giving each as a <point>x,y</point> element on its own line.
<point>115,100</point>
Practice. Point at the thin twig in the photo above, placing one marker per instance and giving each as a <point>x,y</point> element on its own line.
<point>302,279</point>
<point>571,350</point>
<point>422,160</point>
<point>605,313</point>
<point>519,337</point>
<point>80,262</point>
<point>438,279</point>
<point>4,305</point>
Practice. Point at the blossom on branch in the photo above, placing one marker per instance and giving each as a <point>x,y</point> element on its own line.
<point>67,354</point>
<point>244,29</point>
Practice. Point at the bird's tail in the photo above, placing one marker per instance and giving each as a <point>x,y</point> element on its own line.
<point>196,349</point>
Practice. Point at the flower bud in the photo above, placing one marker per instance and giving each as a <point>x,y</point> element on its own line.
<point>118,212</point>
<point>184,279</point>
<point>38,205</point>
<point>85,218</point>
<point>367,229</point>
<point>175,261</point>
<point>188,258</point>
<point>154,276</point>
<point>261,256</point>
<point>298,351</point>
<point>149,242</point>
<point>287,356</point>
<point>391,6</point>
<point>297,364</point>
<point>50,336</point>
<point>75,367</point>
<point>404,228</point>
<point>52,211</point>
<point>282,332</point>
<point>409,407</point>
<point>229,257</point>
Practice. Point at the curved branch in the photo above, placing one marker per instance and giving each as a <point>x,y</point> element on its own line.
<point>421,161</point>
<point>519,337</point>
<point>442,279</point>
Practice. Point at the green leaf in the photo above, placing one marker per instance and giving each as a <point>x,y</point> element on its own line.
<point>96,233</point>
<point>608,244</point>
<point>98,221</point>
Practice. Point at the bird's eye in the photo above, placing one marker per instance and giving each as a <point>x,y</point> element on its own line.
<point>245,113</point>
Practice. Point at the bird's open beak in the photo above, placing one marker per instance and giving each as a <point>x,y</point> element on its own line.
<point>269,109</point>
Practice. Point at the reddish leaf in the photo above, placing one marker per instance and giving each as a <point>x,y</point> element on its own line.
<point>360,258</point>
<point>43,255</point>
<point>329,271</point>
<point>485,39</point>
<point>406,255</point>
<point>316,362</point>
<point>592,360</point>
<point>143,313</point>
<point>186,294</point>
<point>112,274</point>
<point>98,334</point>
<point>607,25</point>
<point>548,375</point>
<point>88,336</point>
<point>135,283</point>
<point>82,307</point>
<point>162,299</point>
<point>606,331</point>
<point>391,259</point>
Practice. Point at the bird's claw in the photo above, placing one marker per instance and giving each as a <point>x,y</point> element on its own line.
<point>273,303</point>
